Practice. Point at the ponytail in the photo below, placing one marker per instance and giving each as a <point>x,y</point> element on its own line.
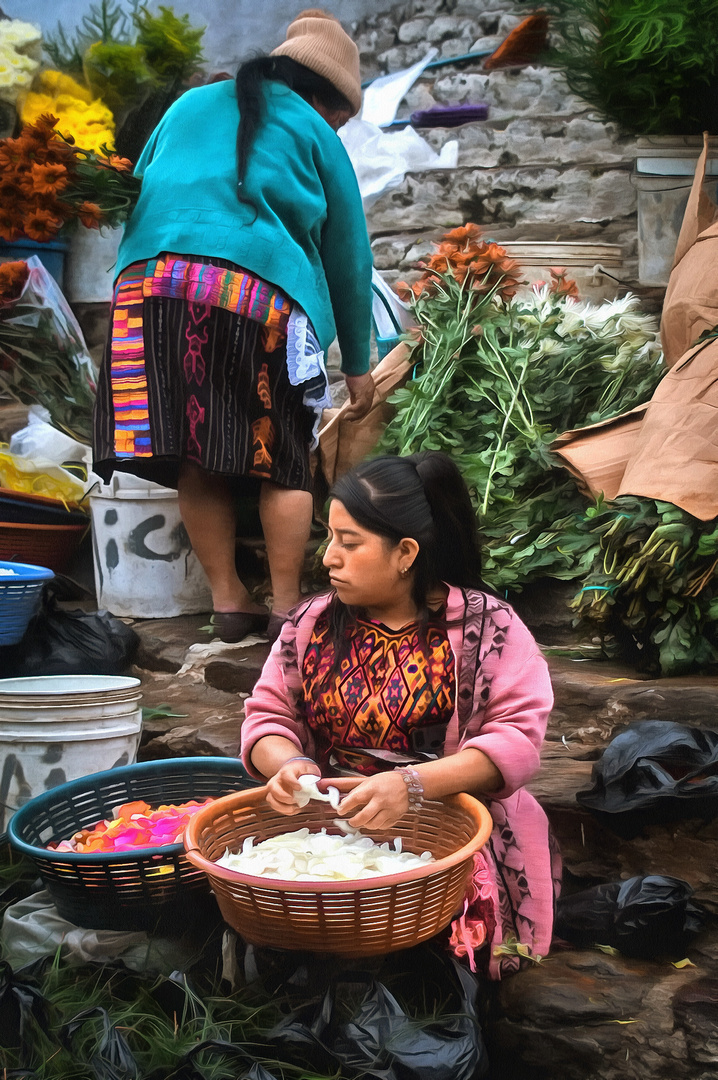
<point>249,89</point>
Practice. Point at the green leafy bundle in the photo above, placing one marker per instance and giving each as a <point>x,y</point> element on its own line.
<point>653,585</point>
<point>649,65</point>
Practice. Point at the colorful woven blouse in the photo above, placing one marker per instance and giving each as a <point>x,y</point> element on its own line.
<point>394,693</point>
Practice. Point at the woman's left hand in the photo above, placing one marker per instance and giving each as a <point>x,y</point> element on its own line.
<point>376,803</point>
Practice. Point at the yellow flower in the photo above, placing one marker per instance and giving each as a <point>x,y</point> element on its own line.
<point>90,123</point>
<point>57,83</point>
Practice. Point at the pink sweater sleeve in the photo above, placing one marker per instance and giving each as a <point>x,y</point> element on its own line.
<point>511,728</point>
<point>272,708</point>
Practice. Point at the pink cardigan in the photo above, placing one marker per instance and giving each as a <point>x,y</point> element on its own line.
<point>507,720</point>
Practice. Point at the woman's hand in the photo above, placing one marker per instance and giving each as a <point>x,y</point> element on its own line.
<point>376,803</point>
<point>361,396</point>
<point>282,786</point>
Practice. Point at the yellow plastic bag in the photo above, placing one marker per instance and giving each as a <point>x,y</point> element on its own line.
<point>37,477</point>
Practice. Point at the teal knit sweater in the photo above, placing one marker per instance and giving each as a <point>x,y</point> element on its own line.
<point>308,236</point>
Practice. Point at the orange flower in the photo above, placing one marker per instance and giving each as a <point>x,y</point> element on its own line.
<point>9,229</point>
<point>464,234</point>
<point>90,215</point>
<point>41,225</point>
<point>122,164</point>
<point>49,178</point>
<point>560,284</point>
<point>13,276</point>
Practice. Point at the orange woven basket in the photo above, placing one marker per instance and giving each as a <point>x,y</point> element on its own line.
<point>347,918</point>
<point>41,545</point>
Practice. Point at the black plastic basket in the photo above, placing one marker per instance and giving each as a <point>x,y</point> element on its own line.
<point>147,889</point>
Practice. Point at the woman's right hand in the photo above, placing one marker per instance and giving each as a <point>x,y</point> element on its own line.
<point>282,786</point>
<point>361,396</point>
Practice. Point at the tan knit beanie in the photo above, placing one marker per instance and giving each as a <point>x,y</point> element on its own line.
<point>317,40</point>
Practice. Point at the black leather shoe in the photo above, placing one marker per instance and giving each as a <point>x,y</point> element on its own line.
<point>233,626</point>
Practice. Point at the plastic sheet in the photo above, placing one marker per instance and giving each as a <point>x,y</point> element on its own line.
<point>645,917</point>
<point>655,771</point>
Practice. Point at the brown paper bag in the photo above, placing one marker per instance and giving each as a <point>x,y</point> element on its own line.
<point>676,455</point>
<point>691,302</point>
<point>344,443</point>
<point>596,455</point>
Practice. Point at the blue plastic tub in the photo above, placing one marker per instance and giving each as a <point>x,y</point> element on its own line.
<point>20,595</point>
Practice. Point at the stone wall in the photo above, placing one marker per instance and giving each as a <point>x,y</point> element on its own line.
<point>542,167</point>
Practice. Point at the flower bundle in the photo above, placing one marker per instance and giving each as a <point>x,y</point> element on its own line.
<point>82,117</point>
<point>20,51</point>
<point>500,374</point>
<point>462,254</point>
<point>43,357</point>
<point>134,825</point>
<point>137,64</point>
<point>47,183</point>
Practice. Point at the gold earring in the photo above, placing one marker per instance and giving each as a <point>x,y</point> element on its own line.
<point>404,570</point>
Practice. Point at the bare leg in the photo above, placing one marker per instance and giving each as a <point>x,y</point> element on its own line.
<point>207,510</point>
<point>286,517</point>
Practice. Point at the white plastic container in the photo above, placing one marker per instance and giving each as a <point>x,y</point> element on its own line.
<point>90,266</point>
<point>597,268</point>
<point>145,567</point>
<point>56,728</point>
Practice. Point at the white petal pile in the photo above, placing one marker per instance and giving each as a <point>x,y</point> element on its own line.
<point>305,856</point>
<point>308,790</point>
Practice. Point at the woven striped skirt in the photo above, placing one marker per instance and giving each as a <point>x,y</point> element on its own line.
<point>195,370</point>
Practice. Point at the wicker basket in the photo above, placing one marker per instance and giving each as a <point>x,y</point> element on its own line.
<point>146,889</point>
<point>45,545</point>
<point>347,918</point>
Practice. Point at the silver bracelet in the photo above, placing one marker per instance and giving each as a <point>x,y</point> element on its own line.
<point>414,786</point>
<point>301,757</point>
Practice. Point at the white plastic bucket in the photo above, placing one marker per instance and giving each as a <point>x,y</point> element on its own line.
<point>90,265</point>
<point>57,728</point>
<point>145,567</point>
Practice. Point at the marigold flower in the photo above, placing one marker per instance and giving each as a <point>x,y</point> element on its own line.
<point>41,225</point>
<point>13,276</point>
<point>49,178</point>
<point>90,215</point>
<point>122,164</point>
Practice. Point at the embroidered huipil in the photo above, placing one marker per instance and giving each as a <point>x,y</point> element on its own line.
<point>390,684</point>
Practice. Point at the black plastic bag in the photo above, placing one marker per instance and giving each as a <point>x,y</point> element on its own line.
<point>113,1059</point>
<point>22,1009</point>
<point>655,771</point>
<point>644,917</point>
<point>61,642</point>
<point>359,1024</point>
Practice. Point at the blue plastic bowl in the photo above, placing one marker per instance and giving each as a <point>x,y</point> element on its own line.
<point>20,595</point>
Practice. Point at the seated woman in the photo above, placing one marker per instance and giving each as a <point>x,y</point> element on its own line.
<point>411,674</point>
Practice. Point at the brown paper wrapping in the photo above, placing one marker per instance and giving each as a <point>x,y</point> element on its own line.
<point>344,443</point>
<point>675,459</point>
<point>596,456</point>
<point>691,302</point>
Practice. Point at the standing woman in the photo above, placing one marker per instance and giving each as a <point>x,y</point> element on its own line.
<point>410,674</point>
<point>246,254</point>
